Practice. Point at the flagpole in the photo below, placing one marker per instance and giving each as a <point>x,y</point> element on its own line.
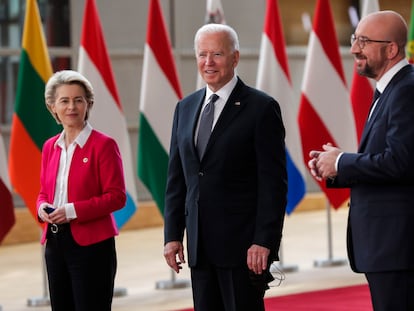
<point>173,283</point>
<point>119,292</point>
<point>43,300</point>
<point>172,23</point>
<point>330,262</point>
<point>281,266</point>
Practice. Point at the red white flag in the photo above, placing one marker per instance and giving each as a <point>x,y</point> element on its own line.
<point>362,89</point>
<point>107,114</point>
<point>7,218</point>
<point>273,77</point>
<point>325,113</point>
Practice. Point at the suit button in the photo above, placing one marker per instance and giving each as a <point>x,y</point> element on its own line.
<point>201,174</point>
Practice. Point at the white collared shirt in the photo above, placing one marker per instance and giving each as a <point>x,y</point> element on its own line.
<point>61,189</point>
<point>385,79</point>
<point>224,94</point>
<point>381,85</point>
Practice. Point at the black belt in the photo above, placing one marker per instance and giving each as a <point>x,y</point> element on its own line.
<point>55,228</point>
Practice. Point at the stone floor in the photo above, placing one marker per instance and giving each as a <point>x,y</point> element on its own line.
<point>144,282</point>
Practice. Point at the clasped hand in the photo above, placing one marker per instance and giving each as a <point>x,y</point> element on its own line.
<point>58,216</point>
<point>322,163</point>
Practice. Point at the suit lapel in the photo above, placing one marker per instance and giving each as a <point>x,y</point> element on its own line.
<point>375,114</point>
<point>379,109</point>
<point>231,109</point>
<point>194,114</point>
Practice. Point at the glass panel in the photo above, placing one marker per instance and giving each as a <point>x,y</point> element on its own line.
<point>56,24</point>
<point>14,8</point>
<point>8,78</point>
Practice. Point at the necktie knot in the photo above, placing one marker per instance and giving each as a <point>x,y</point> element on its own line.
<point>206,123</point>
<point>214,97</point>
<point>376,95</point>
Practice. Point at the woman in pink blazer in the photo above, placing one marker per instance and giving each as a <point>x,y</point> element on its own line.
<point>82,183</point>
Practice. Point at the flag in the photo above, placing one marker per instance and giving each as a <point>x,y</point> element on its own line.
<point>324,111</point>
<point>410,44</point>
<point>214,14</point>
<point>107,115</point>
<point>32,123</point>
<point>273,77</point>
<point>160,91</point>
<point>362,89</point>
<point>7,218</point>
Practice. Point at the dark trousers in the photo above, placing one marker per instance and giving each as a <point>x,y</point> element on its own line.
<point>392,291</point>
<point>81,278</point>
<point>227,289</point>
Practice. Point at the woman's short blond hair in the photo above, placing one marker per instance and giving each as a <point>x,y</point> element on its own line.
<point>67,77</point>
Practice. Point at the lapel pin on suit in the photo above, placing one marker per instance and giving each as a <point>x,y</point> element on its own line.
<point>237,104</point>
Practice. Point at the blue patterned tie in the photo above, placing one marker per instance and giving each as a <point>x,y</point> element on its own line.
<point>206,123</point>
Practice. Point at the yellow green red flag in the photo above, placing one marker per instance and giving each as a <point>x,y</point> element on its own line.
<point>410,42</point>
<point>32,123</point>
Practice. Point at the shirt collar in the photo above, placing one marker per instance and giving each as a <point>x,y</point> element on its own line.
<point>80,140</point>
<point>225,91</point>
<point>386,78</point>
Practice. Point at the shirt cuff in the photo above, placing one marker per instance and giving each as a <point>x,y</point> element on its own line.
<point>337,161</point>
<point>70,211</point>
<point>40,208</point>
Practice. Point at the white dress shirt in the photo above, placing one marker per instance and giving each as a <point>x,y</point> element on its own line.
<point>224,94</point>
<point>61,189</point>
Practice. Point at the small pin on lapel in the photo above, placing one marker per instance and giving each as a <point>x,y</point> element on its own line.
<point>237,104</point>
<point>85,160</point>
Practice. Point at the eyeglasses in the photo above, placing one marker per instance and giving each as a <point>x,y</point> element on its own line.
<point>362,41</point>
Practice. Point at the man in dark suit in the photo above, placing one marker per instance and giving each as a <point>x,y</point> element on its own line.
<point>230,198</point>
<point>381,174</point>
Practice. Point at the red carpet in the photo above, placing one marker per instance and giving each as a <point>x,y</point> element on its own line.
<point>355,298</point>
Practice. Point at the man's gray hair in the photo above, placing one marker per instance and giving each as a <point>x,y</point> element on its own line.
<point>218,28</point>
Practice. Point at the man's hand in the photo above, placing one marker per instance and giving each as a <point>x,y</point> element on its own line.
<point>172,250</point>
<point>257,257</point>
<point>322,163</point>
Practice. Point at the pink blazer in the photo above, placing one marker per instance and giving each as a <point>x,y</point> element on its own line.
<point>96,186</point>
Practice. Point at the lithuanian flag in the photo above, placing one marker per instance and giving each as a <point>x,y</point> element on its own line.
<point>32,123</point>
<point>410,43</point>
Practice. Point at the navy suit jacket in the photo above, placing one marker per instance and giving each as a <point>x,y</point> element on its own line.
<point>236,195</point>
<point>381,178</point>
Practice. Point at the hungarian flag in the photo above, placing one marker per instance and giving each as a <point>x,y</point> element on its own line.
<point>32,124</point>
<point>160,92</point>
<point>273,77</point>
<point>325,113</point>
<point>7,218</point>
<point>107,115</point>
<point>362,89</point>
<point>410,44</point>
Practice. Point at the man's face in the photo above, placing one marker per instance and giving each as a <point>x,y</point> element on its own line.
<point>216,61</point>
<point>369,54</point>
